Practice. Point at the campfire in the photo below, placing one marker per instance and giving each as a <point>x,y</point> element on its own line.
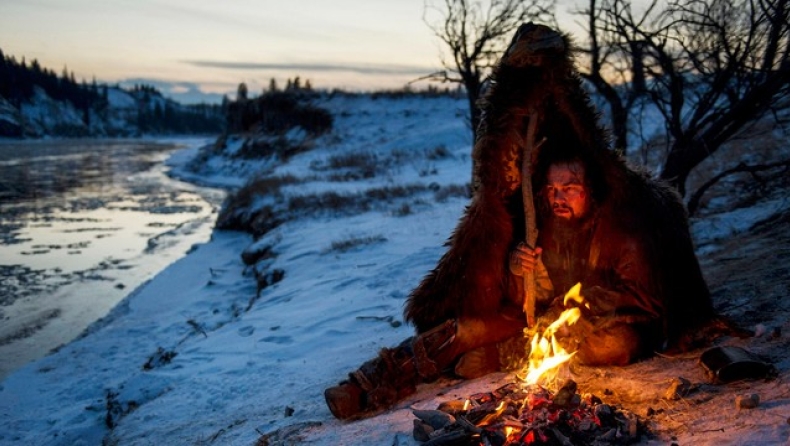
<point>539,408</point>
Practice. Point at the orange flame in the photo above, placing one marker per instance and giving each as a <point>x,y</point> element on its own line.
<point>508,432</point>
<point>546,354</point>
<point>574,294</point>
<point>486,420</point>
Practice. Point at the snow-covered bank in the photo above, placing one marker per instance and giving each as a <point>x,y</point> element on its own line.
<point>238,358</point>
<point>198,356</point>
<point>84,222</point>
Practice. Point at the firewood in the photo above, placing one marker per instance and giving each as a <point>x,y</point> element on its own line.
<point>449,439</point>
<point>434,418</point>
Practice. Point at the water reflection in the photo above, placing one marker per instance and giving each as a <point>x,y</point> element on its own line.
<point>82,223</point>
<point>41,169</point>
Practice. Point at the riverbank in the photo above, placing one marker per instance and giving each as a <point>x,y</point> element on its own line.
<point>85,223</point>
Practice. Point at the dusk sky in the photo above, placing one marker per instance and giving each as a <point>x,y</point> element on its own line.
<point>186,46</point>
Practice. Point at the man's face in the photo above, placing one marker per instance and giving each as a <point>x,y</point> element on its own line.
<point>565,190</point>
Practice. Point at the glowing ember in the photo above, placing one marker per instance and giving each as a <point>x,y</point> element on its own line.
<point>519,415</point>
<point>546,354</point>
<point>527,413</point>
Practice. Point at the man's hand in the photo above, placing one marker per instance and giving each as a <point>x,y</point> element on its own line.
<point>524,259</point>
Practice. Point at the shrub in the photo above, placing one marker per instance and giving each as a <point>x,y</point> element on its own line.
<point>453,190</point>
<point>353,242</point>
<point>354,166</point>
<point>276,113</point>
<point>236,212</point>
<point>438,152</point>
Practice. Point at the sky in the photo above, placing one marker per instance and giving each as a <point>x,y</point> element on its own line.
<point>227,364</point>
<point>200,50</point>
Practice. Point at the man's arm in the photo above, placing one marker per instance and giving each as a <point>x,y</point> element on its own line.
<point>627,288</point>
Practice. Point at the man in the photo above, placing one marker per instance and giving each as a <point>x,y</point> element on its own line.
<point>622,318</point>
<point>587,234</point>
<point>624,236</point>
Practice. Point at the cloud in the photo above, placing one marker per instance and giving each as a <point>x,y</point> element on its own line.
<point>369,69</point>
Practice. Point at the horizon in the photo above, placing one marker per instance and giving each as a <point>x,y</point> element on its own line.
<point>190,51</point>
<point>190,90</point>
<point>351,45</point>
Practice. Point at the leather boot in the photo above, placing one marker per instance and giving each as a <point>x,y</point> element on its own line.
<point>393,374</point>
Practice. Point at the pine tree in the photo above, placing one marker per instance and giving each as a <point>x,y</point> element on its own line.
<point>241,94</point>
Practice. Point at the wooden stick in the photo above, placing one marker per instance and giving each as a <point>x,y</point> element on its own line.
<point>531,232</point>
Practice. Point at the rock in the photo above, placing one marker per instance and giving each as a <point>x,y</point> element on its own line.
<point>564,396</point>
<point>747,401</point>
<point>678,388</point>
<point>422,431</point>
<point>434,418</point>
<point>605,414</point>
<point>453,406</point>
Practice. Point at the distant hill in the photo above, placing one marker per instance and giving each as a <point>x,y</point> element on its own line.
<point>35,102</point>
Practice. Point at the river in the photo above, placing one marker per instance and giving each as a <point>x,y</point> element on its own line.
<point>83,223</point>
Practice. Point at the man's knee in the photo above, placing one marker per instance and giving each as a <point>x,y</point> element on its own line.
<point>474,332</point>
<point>619,344</point>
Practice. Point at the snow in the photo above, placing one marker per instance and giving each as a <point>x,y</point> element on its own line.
<point>119,99</point>
<point>249,363</point>
<point>716,227</point>
<point>44,113</point>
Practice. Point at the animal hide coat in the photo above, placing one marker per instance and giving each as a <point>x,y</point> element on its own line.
<point>536,74</point>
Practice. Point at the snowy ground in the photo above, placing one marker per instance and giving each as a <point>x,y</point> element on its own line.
<point>197,356</point>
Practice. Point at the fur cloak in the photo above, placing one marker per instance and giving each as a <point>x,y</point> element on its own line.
<point>472,278</point>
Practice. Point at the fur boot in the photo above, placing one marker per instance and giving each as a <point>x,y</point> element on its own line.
<point>393,374</point>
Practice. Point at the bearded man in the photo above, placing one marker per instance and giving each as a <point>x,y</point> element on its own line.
<point>622,235</point>
<point>623,311</point>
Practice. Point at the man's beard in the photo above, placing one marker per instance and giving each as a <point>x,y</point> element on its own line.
<point>566,229</point>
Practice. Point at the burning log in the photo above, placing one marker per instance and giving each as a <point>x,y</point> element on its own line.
<point>516,415</point>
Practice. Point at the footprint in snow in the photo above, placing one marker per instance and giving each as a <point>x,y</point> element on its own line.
<point>277,339</point>
<point>246,331</point>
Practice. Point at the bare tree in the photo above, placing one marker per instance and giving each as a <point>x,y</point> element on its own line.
<point>713,68</point>
<point>738,58</point>
<point>613,62</point>
<point>476,33</point>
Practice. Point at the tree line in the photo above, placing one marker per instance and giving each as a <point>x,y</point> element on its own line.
<point>154,114</point>
<point>277,110</point>
<point>18,81</point>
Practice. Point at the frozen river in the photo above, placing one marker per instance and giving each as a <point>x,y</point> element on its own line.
<point>82,224</point>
